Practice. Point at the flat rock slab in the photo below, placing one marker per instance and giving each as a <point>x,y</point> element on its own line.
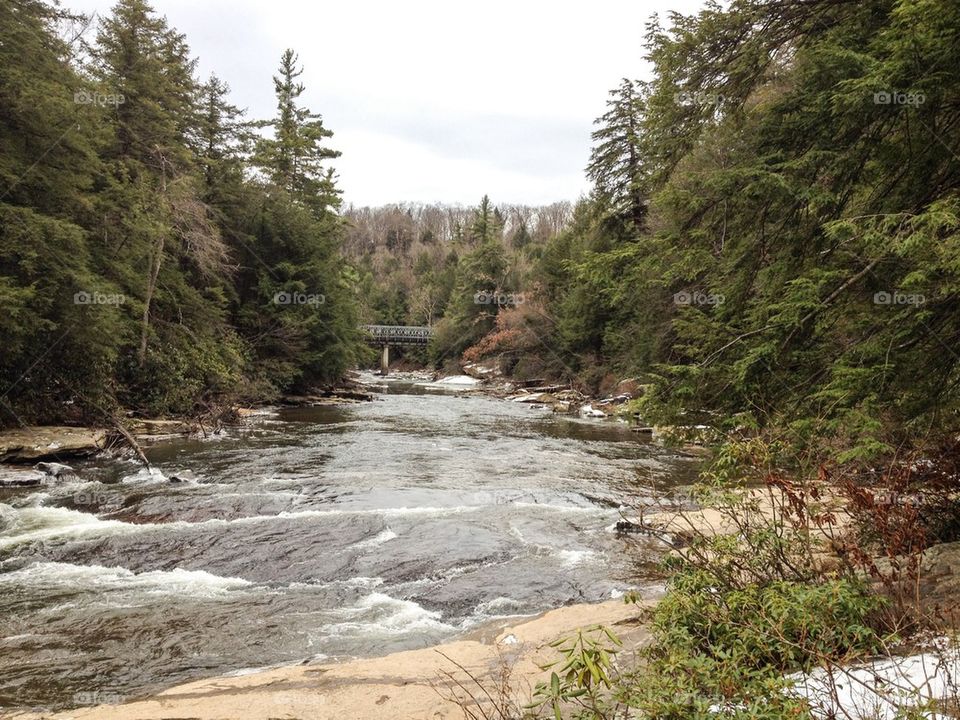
<point>20,476</point>
<point>50,442</point>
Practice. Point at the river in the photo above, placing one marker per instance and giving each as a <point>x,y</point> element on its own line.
<point>313,533</point>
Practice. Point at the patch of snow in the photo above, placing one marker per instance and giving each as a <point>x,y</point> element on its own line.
<point>457,380</point>
<point>590,411</point>
<point>882,689</point>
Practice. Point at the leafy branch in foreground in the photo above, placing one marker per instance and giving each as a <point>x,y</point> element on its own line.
<point>582,674</point>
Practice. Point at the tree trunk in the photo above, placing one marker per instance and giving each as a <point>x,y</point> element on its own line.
<point>153,274</point>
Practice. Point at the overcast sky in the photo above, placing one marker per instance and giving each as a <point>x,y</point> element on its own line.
<point>428,100</point>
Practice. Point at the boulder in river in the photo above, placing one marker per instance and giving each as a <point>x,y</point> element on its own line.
<point>56,471</point>
<point>184,476</point>
<point>625,527</point>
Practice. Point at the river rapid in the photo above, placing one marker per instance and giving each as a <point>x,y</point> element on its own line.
<point>316,533</point>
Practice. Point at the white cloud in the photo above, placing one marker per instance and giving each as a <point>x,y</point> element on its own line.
<point>391,169</point>
<point>433,100</point>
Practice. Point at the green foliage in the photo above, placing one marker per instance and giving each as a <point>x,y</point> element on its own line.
<point>716,652</point>
<point>124,179</point>
<point>294,158</point>
<point>581,676</point>
<point>616,165</point>
<point>731,628</point>
<point>782,625</point>
<point>793,168</point>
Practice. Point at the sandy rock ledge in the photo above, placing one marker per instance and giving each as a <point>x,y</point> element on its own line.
<point>401,686</point>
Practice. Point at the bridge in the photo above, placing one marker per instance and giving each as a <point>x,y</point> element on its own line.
<point>387,335</point>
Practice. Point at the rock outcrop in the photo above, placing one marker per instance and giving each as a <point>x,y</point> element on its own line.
<point>50,443</point>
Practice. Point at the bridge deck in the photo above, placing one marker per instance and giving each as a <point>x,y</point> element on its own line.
<point>398,334</point>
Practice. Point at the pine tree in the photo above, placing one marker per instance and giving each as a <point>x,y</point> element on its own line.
<point>145,65</point>
<point>221,139</point>
<point>54,348</point>
<point>295,250</point>
<point>616,163</point>
<point>155,217</point>
<point>122,177</point>
<point>487,224</point>
<point>295,158</point>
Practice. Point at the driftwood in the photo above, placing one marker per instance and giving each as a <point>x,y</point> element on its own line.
<point>131,441</point>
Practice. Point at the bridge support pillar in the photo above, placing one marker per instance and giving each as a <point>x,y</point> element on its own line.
<point>385,360</point>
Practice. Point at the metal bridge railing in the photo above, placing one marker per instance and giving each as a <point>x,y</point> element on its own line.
<point>398,333</point>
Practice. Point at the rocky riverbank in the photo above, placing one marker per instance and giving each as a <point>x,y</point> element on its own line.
<point>560,398</point>
<point>37,444</point>
<point>24,450</point>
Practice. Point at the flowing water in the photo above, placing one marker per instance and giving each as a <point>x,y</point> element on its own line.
<point>313,533</point>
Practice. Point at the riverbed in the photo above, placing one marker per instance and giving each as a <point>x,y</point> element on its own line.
<point>319,534</point>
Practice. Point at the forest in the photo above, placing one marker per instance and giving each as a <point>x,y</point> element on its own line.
<point>769,241</point>
<point>159,251</point>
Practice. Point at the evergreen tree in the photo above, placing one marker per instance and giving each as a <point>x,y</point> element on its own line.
<point>792,154</point>
<point>221,139</point>
<point>295,157</point>
<point>159,239</point>
<point>295,251</point>
<point>616,163</point>
<point>487,225</point>
<point>122,178</point>
<point>54,348</point>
